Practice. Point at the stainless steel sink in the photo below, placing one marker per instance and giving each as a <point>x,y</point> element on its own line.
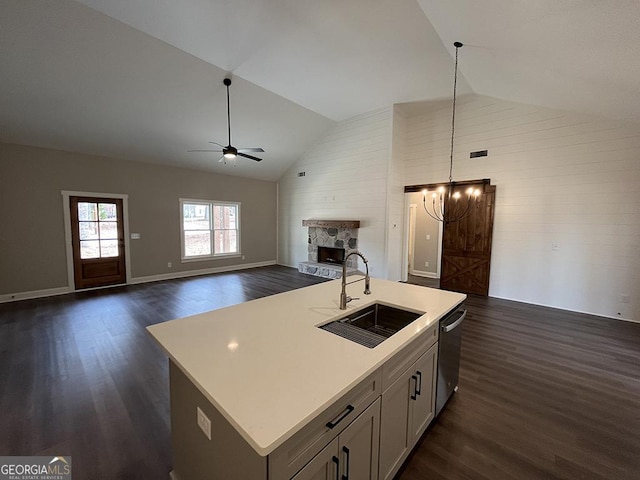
<point>371,325</point>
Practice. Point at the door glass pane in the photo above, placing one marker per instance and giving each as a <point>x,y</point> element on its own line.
<point>89,249</point>
<point>87,211</point>
<point>108,248</point>
<point>197,243</point>
<point>108,211</point>
<point>108,230</point>
<point>88,230</point>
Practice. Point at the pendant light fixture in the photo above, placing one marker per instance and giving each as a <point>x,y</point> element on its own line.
<point>438,197</point>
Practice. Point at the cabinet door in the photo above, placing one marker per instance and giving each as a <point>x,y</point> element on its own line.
<point>394,427</point>
<point>422,406</point>
<point>324,466</point>
<point>358,447</point>
<point>407,410</point>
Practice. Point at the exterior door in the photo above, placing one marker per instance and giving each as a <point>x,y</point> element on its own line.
<point>97,236</point>
<point>466,245</point>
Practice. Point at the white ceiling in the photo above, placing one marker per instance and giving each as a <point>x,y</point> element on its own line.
<point>143,80</point>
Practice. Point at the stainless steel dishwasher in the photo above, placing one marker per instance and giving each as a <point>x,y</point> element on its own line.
<point>449,356</point>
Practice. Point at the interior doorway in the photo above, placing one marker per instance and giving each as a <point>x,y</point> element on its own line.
<point>464,247</point>
<point>424,243</point>
<point>96,234</point>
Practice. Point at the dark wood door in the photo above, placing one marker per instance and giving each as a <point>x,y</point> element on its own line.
<point>97,235</point>
<point>466,245</point>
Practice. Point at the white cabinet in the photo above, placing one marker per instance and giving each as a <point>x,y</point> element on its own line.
<point>353,455</point>
<point>408,407</point>
<point>295,453</point>
<point>324,466</point>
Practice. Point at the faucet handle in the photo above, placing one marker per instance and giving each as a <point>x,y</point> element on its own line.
<point>352,298</point>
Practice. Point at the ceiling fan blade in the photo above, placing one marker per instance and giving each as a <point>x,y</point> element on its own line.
<point>221,159</point>
<point>251,149</point>
<point>249,156</point>
<point>216,143</point>
<point>204,151</point>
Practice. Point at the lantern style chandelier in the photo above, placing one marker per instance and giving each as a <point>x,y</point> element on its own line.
<point>438,211</point>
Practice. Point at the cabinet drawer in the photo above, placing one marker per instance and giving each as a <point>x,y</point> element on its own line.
<point>398,364</point>
<point>296,452</point>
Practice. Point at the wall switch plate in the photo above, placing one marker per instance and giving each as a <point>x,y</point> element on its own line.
<point>135,236</point>
<point>555,246</point>
<point>204,423</point>
<point>624,298</point>
<point>426,264</point>
<point>169,265</point>
<point>428,237</point>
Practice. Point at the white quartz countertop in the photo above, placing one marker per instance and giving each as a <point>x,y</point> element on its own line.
<point>267,368</point>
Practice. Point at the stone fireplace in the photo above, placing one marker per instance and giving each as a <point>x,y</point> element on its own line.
<point>334,234</point>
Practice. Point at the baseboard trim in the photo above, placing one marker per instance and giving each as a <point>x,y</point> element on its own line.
<point>421,273</point>
<point>196,273</point>
<point>49,292</point>
<point>602,315</point>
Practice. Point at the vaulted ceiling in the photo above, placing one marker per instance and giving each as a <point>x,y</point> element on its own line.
<point>143,80</point>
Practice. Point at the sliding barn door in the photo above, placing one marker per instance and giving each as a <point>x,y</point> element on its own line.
<point>466,245</point>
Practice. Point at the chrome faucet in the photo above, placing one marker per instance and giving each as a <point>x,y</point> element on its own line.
<point>344,299</point>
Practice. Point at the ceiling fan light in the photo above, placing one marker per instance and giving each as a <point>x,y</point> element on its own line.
<point>229,155</point>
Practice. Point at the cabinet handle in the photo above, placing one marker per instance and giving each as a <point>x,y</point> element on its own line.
<point>346,457</point>
<point>348,410</point>
<point>414,395</point>
<point>419,383</point>
<point>336,460</point>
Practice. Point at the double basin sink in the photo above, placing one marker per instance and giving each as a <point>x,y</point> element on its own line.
<point>372,325</point>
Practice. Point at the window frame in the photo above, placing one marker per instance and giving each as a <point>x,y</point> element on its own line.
<point>211,204</point>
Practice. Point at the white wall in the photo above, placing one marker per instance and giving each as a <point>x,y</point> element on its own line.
<point>562,178</point>
<point>395,197</point>
<point>345,179</point>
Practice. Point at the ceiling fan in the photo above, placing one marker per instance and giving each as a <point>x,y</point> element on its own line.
<point>230,152</point>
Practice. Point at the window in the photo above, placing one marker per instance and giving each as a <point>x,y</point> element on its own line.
<point>209,229</point>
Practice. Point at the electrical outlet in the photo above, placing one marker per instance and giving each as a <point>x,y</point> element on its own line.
<point>428,237</point>
<point>426,264</point>
<point>555,246</point>
<point>169,265</point>
<point>624,298</point>
<point>204,423</point>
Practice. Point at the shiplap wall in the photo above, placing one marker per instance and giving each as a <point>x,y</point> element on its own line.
<point>567,223</point>
<point>345,179</point>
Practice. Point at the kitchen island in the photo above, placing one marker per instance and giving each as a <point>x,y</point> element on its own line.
<point>267,378</point>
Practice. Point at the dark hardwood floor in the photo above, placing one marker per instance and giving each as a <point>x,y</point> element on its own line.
<point>544,394</point>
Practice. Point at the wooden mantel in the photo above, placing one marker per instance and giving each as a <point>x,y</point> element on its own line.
<point>331,223</point>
